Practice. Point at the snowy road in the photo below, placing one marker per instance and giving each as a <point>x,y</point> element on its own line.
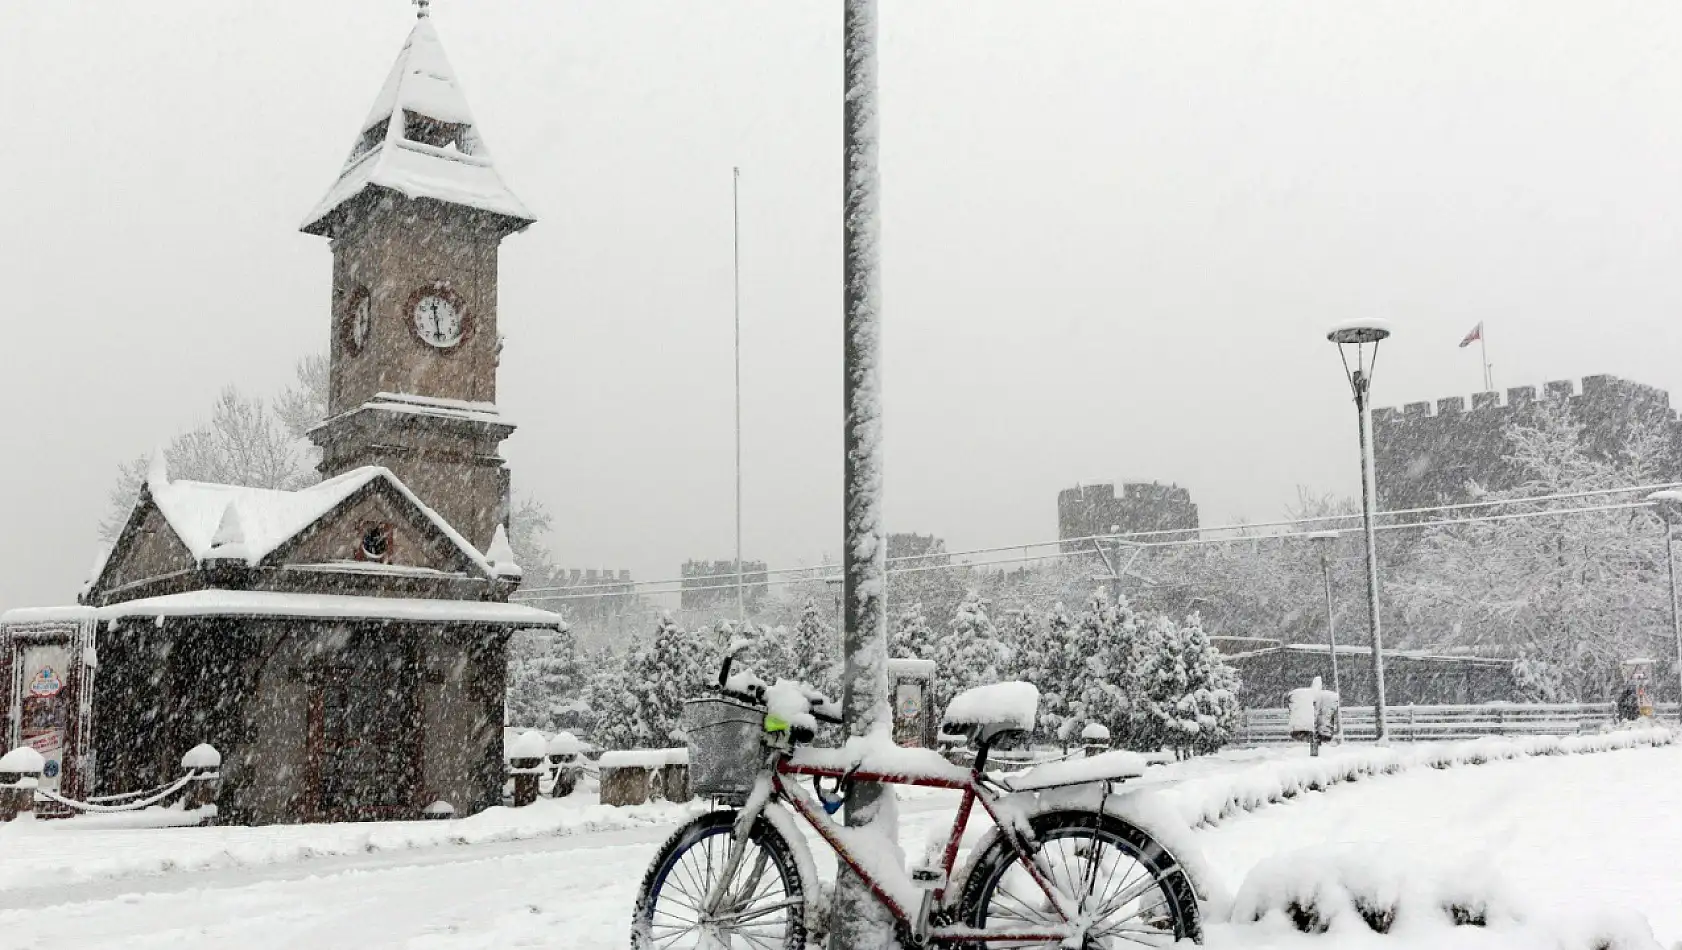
<point>1592,829</point>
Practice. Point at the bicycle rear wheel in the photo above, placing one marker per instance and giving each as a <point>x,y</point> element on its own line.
<point>1129,892</point>
<point>764,905</point>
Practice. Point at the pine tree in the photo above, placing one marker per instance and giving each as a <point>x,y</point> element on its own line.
<point>912,636</point>
<point>816,651</point>
<point>1049,658</point>
<point>1018,634</point>
<point>970,653</point>
<point>1106,637</point>
<point>670,667</point>
<point>1162,680</point>
<point>544,674</point>
<point>1211,700</point>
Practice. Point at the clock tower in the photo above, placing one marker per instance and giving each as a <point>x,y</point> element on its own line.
<point>415,220</point>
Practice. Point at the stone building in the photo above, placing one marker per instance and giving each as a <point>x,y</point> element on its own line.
<point>1425,457</point>
<point>710,585</point>
<point>1087,510</point>
<point>343,646</point>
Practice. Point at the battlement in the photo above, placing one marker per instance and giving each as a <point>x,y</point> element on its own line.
<point>1428,454</point>
<point>708,584</point>
<point>1087,510</point>
<point>1593,389</point>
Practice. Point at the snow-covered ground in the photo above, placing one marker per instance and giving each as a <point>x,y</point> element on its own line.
<point>1571,835</point>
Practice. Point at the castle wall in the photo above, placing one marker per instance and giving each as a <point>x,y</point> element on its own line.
<point>1427,455</point>
<point>1088,510</point>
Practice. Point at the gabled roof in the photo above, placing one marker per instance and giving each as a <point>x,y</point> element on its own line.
<point>253,523</point>
<point>421,99</point>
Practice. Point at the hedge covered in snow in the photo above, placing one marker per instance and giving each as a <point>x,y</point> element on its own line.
<point>1212,799</point>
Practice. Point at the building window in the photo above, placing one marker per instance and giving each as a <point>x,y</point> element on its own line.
<point>375,544</point>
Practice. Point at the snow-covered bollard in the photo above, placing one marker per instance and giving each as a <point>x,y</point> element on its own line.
<point>439,810</point>
<point>203,765</point>
<point>525,762</point>
<point>564,753</point>
<point>20,775</point>
<point>1096,738</point>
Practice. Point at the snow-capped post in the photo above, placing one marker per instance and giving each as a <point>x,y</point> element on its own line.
<point>525,755</point>
<point>1361,334</point>
<point>858,922</point>
<point>564,750</point>
<point>1313,711</point>
<point>20,775</point>
<point>1096,738</point>
<point>1669,505</point>
<point>203,765</point>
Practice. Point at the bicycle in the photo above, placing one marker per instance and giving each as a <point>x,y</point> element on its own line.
<point>1060,868</point>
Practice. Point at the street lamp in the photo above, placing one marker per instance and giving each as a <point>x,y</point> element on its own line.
<point>1324,540</point>
<point>1669,505</point>
<point>1364,336</point>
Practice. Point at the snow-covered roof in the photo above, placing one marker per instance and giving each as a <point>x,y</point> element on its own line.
<point>421,86</point>
<point>252,523</point>
<point>263,603</point>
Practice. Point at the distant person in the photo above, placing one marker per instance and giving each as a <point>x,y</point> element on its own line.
<point>1629,703</point>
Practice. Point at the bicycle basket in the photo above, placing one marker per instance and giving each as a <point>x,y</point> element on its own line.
<point>725,754</point>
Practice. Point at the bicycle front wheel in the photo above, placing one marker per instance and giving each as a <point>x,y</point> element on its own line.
<point>762,905</point>
<point>1126,890</point>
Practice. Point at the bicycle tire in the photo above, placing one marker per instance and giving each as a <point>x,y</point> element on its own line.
<point>667,877</point>
<point>1173,914</point>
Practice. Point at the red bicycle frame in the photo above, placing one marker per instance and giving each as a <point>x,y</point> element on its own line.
<point>974,791</point>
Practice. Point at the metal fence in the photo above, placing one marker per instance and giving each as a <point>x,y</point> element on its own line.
<point>1431,723</point>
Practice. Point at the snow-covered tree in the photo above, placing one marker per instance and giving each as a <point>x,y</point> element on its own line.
<point>1105,636</point>
<point>1049,657</point>
<point>1211,697</point>
<point>969,653</point>
<point>668,668</point>
<point>1160,677</point>
<point>1577,593</point>
<point>816,651</point>
<point>912,636</point>
<point>545,677</point>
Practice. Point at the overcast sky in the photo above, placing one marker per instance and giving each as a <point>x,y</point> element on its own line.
<point>1113,236</point>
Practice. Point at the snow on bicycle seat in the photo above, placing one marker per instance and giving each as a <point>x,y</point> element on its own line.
<point>986,713</point>
<point>1104,767</point>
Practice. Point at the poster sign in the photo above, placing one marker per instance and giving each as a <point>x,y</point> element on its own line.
<point>44,704</point>
<point>45,682</point>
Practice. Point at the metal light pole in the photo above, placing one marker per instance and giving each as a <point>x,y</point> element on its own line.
<point>736,296</point>
<point>1669,504</point>
<point>1364,336</point>
<point>1324,541</point>
<point>859,922</point>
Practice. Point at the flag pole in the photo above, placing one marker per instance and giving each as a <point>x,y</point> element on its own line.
<point>1483,350</point>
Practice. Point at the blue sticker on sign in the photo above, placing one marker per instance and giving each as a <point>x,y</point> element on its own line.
<point>50,770</point>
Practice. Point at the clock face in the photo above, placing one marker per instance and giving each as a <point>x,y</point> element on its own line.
<point>438,320</point>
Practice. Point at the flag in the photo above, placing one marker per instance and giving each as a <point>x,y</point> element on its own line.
<point>1474,336</point>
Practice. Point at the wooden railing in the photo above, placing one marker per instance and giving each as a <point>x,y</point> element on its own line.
<point>1431,723</point>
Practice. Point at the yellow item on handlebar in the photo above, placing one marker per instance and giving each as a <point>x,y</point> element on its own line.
<point>775,723</point>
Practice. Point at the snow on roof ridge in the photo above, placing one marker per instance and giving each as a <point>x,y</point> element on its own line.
<point>272,516</point>
<point>421,80</point>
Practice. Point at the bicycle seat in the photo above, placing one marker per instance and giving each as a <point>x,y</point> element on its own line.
<point>989,714</point>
